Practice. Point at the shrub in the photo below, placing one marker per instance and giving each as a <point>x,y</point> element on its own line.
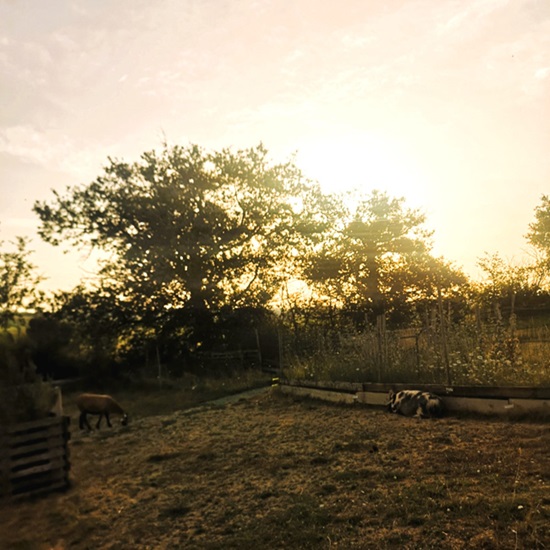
<point>24,396</point>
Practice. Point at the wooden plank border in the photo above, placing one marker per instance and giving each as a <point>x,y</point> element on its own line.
<point>513,402</point>
<point>511,392</point>
<point>325,395</point>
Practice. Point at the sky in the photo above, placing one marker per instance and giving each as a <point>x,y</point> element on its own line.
<point>443,102</point>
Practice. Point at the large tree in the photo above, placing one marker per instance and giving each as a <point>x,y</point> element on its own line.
<point>189,228</point>
<point>368,259</point>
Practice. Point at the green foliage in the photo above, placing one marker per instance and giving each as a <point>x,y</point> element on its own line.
<point>508,284</point>
<point>97,332</point>
<point>50,341</point>
<point>191,228</point>
<point>479,353</point>
<point>539,230</point>
<point>18,283</point>
<point>507,289</point>
<point>94,328</point>
<point>24,395</point>
<point>198,245</point>
<point>377,258</point>
<point>189,235</point>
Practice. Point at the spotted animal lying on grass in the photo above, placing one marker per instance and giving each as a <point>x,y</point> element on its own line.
<point>103,405</point>
<point>415,403</point>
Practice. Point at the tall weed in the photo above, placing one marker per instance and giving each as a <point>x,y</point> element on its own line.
<point>473,353</point>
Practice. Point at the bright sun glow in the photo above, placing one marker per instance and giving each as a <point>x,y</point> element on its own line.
<point>365,162</point>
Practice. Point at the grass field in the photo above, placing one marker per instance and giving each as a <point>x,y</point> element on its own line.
<point>276,472</point>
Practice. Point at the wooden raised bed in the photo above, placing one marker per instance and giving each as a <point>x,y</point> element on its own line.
<point>34,457</point>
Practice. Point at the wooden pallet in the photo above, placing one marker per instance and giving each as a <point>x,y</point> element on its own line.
<point>34,457</point>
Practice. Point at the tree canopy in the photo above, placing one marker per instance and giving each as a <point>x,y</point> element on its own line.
<point>378,257</point>
<point>191,228</point>
<point>200,245</point>
<point>185,230</point>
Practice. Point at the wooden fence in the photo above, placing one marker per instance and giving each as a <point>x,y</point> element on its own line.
<point>241,357</point>
<point>34,457</point>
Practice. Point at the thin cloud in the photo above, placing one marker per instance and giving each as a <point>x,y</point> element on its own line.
<point>28,144</point>
<point>468,15</point>
<point>49,149</point>
<point>462,85</point>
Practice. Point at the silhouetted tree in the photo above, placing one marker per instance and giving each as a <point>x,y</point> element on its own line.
<point>185,233</point>
<point>18,282</point>
<point>376,255</point>
<point>186,227</point>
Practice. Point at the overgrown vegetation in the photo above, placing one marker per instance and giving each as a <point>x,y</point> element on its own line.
<point>469,352</point>
<point>24,395</point>
<point>18,283</point>
<point>213,260</point>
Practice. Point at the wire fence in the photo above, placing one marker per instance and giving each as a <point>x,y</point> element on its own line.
<point>471,352</point>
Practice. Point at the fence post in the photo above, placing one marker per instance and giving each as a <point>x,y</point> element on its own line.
<point>258,347</point>
<point>281,350</point>
<point>444,342</point>
<point>382,344</point>
<point>159,367</point>
<point>417,350</point>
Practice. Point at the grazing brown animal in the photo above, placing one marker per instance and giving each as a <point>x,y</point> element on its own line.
<point>103,405</point>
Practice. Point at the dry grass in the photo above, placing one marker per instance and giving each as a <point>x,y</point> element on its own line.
<point>275,472</point>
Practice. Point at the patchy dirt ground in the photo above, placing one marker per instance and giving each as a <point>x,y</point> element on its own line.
<point>275,472</point>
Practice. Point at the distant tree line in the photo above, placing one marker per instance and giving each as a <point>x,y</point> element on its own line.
<point>198,246</point>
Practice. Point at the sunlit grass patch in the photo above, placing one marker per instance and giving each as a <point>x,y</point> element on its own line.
<point>281,473</point>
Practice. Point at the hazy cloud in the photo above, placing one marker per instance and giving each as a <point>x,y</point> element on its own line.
<point>460,86</point>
